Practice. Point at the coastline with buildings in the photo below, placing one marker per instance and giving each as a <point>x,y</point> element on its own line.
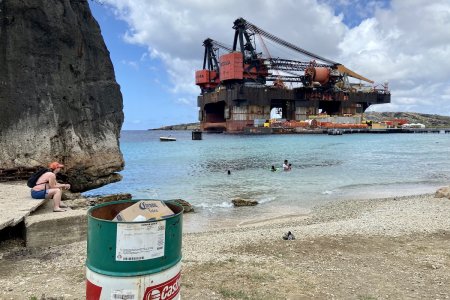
<point>375,121</point>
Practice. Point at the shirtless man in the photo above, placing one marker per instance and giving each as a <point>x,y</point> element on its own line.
<point>47,187</point>
<point>285,165</point>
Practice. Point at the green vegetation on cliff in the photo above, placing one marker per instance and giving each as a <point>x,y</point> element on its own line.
<point>187,126</point>
<point>430,121</point>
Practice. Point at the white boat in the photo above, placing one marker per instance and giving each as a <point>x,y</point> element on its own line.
<point>335,132</point>
<point>167,139</point>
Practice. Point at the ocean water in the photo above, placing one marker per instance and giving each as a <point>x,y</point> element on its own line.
<point>324,168</point>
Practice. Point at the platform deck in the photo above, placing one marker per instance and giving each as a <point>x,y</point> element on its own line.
<point>16,203</point>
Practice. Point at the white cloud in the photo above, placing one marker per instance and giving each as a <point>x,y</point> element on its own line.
<point>144,56</point>
<point>406,43</point>
<point>130,63</point>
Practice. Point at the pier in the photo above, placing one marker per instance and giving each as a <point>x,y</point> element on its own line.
<point>288,130</point>
<point>399,130</point>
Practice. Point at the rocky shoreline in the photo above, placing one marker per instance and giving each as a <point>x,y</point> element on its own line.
<point>392,248</point>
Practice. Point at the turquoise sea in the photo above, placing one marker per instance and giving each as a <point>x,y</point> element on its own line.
<point>325,168</point>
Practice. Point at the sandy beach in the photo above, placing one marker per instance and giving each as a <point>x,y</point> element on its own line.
<point>394,248</point>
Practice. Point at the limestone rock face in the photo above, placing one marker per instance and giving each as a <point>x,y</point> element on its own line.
<point>59,99</point>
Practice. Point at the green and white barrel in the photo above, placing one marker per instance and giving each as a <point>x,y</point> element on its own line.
<point>133,260</point>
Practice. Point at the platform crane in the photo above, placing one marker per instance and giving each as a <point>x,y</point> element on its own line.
<point>234,93</point>
<point>208,78</point>
<point>243,63</point>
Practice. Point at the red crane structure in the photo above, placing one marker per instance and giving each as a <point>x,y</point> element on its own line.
<point>235,90</point>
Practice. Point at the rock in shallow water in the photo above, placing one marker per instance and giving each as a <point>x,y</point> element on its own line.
<point>244,202</point>
<point>59,97</point>
<point>443,192</point>
<point>187,207</point>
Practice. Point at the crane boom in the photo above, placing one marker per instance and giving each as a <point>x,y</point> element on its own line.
<point>255,67</point>
<point>220,45</point>
<point>282,42</point>
<point>341,68</point>
<point>290,65</point>
<point>344,70</point>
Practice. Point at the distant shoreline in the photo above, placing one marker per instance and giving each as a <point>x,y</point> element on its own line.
<point>186,126</point>
<point>429,120</point>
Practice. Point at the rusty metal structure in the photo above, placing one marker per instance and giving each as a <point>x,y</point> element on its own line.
<point>235,90</point>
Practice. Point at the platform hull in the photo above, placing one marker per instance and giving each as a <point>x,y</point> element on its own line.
<point>234,108</point>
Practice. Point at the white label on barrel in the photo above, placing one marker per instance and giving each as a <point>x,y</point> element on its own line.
<point>140,241</point>
<point>124,295</point>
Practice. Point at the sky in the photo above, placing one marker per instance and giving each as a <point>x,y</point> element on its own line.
<point>156,47</point>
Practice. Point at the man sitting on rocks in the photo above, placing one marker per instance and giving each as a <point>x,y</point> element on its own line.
<point>46,187</point>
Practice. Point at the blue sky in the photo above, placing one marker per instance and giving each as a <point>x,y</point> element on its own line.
<point>156,46</point>
<point>148,102</point>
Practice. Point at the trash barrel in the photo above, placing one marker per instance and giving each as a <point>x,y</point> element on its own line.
<point>196,135</point>
<point>133,260</point>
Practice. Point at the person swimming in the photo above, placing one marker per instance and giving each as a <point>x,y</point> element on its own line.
<point>285,165</point>
<point>273,169</point>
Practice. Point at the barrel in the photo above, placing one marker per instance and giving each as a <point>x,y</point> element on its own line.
<point>133,260</point>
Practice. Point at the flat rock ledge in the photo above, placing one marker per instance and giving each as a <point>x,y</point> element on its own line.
<point>52,229</point>
<point>43,227</point>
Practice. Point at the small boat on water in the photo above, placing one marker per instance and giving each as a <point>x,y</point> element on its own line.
<point>335,132</point>
<point>167,139</point>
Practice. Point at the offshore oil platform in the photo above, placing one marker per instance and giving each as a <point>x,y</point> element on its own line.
<point>236,97</point>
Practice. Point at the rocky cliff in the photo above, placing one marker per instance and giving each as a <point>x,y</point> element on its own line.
<point>58,95</point>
